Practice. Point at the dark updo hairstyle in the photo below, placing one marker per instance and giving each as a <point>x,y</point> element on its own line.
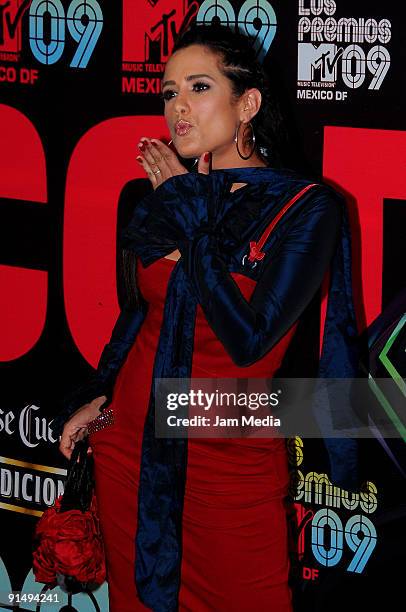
<point>239,64</point>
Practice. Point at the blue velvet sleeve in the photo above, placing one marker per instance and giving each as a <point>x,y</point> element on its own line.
<point>248,330</point>
<point>122,338</point>
<point>113,356</point>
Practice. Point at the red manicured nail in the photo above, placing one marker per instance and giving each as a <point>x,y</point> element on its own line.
<point>206,157</point>
<point>141,146</point>
<point>154,143</point>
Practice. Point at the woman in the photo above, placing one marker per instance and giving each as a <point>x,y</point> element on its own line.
<point>208,516</point>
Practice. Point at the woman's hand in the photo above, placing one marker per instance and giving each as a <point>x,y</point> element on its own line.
<point>76,428</point>
<point>160,162</point>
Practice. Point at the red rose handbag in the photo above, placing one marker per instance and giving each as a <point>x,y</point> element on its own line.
<point>68,547</point>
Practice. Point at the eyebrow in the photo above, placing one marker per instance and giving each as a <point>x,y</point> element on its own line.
<point>189,78</point>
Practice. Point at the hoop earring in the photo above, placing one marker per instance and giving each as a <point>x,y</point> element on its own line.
<point>236,140</point>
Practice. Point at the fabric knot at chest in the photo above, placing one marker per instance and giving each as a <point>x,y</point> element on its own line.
<point>255,252</point>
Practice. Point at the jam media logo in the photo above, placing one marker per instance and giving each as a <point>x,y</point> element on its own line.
<point>150,29</point>
<point>11,13</point>
<point>345,51</point>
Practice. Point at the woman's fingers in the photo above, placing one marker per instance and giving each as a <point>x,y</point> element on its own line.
<point>203,165</point>
<point>155,173</point>
<point>76,428</point>
<point>151,175</point>
<point>66,445</point>
<point>169,157</point>
<point>155,161</point>
<point>69,438</point>
<point>158,161</point>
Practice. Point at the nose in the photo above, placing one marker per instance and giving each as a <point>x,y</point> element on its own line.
<point>181,103</point>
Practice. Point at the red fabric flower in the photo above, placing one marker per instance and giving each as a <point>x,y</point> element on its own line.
<point>69,543</point>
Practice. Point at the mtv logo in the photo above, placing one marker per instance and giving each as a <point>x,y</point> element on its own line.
<point>322,59</point>
<point>11,13</point>
<point>150,28</point>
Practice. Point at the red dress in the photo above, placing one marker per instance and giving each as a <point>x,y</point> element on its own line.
<point>234,555</point>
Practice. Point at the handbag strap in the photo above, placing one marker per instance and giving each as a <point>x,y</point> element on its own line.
<point>79,483</point>
<point>255,247</point>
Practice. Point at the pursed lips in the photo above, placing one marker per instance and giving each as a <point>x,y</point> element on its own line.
<point>182,127</point>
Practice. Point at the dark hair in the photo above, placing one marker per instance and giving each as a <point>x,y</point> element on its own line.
<point>238,63</point>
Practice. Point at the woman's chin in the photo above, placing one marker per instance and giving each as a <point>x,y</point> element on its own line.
<point>187,153</point>
<point>191,156</point>
<point>186,150</point>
